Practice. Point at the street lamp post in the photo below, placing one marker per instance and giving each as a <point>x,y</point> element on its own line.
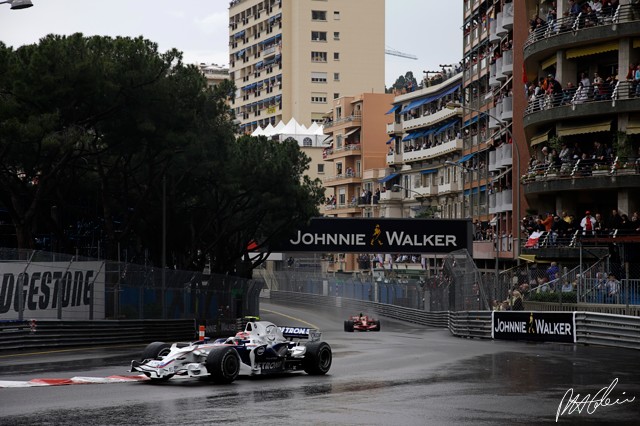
<point>18,4</point>
<point>419,197</point>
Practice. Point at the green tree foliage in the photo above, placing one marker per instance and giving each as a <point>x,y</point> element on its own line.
<point>405,82</point>
<point>93,131</point>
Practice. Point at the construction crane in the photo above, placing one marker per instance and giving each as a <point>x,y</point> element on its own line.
<point>393,52</point>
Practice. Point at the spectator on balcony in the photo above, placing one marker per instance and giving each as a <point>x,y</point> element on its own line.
<point>574,9</point>
<point>554,90</point>
<point>376,196</point>
<point>634,223</point>
<point>613,223</point>
<point>565,154</point>
<point>552,13</point>
<point>599,153</point>
<point>568,93</point>
<point>582,94</point>
<point>559,231</point>
<point>547,222</point>
<point>588,224</point>
<point>590,16</point>
<point>599,225</point>
<point>598,83</point>
<point>636,80</point>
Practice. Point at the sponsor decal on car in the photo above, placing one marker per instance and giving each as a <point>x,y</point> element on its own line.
<point>294,330</point>
<point>270,365</point>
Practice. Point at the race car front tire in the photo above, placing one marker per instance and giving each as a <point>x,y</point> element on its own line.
<point>377,327</point>
<point>348,326</point>
<point>223,364</point>
<point>154,351</point>
<point>317,358</point>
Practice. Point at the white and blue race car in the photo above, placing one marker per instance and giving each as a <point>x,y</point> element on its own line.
<point>262,348</point>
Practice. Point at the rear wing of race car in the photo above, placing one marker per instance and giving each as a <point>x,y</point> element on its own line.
<point>301,333</point>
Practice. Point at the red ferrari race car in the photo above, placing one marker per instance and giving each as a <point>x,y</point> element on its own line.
<point>361,323</point>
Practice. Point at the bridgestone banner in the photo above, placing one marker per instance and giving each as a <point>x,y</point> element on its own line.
<point>534,326</point>
<point>363,235</point>
<point>72,290</point>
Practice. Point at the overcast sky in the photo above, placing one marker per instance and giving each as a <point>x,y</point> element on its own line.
<point>428,29</point>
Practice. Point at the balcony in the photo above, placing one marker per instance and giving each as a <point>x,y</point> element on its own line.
<point>493,33</point>
<point>394,128</point>
<point>425,154</point>
<point>493,76</point>
<point>394,158</point>
<point>572,31</point>
<point>350,208</point>
<point>352,119</point>
<point>429,119</point>
<point>547,110</point>
<point>507,62</point>
<point>507,109</point>
<point>342,179</point>
<point>390,196</point>
<point>499,74</point>
<point>447,188</point>
<point>507,17</point>
<point>344,151</point>
<point>500,29</point>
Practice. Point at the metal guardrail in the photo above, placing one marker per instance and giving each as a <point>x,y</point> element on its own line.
<point>608,330</point>
<point>591,328</point>
<point>416,316</point>
<point>17,335</point>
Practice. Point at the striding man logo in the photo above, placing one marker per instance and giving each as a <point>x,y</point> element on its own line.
<point>531,329</point>
<point>376,237</point>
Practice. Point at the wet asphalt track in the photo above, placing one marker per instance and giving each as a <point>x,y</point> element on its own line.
<point>404,375</point>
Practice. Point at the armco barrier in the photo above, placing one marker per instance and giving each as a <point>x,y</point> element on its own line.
<point>470,324</point>
<point>431,319</point>
<point>608,330</point>
<point>16,335</point>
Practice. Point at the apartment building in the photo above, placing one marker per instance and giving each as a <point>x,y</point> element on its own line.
<point>424,152</point>
<point>214,73</point>
<point>492,195</point>
<point>292,58</point>
<point>355,154</point>
<point>589,115</point>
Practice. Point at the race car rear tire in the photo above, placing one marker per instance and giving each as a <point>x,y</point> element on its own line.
<point>223,364</point>
<point>377,325</point>
<point>348,326</point>
<point>317,358</point>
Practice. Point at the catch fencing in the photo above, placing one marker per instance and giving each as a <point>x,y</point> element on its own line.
<point>64,287</point>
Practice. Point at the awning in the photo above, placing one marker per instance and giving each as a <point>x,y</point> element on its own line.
<point>592,50</point>
<point>633,127</point>
<point>475,190</point>
<point>429,171</point>
<point>543,137</point>
<point>471,121</point>
<point>579,129</point>
<point>466,157</point>
<point>413,105</point>
<point>549,62</point>
<point>409,137</point>
<point>394,109</point>
<point>390,140</point>
<point>531,258</point>
<point>388,178</point>
<point>445,127</point>
<point>350,132</point>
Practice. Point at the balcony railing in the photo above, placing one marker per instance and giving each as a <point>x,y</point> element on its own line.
<point>351,118</point>
<point>342,177</point>
<point>623,13</point>
<point>582,169</point>
<point>573,96</point>
<point>430,119</point>
<point>346,149</point>
<point>436,151</point>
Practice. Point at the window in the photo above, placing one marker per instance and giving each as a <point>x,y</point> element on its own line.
<point>307,141</point>
<point>318,56</point>
<point>336,15</point>
<point>336,95</point>
<point>336,76</point>
<point>318,36</point>
<point>336,56</point>
<point>319,98</point>
<point>336,35</point>
<point>318,77</point>
<point>319,15</point>
<point>338,113</point>
<point>320,169</point>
